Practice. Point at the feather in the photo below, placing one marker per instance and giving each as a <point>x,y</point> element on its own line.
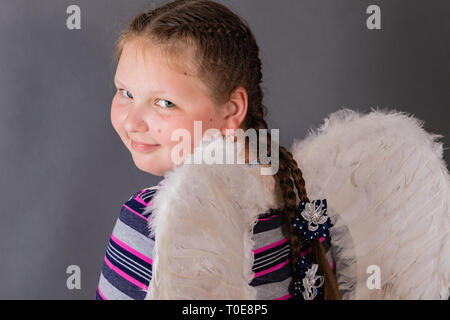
<point>388,193</point>
<point>202,219</point>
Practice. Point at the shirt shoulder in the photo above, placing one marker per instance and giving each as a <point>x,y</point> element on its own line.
<point>139,201</point>
<point>144,194</point>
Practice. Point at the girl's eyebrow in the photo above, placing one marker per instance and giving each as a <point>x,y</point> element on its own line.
<point>118,82</point>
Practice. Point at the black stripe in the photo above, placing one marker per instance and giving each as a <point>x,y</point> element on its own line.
<point>275,257</point>
<point>261,254</point>
<point>266,225</point>
<point>275,262</point>
<point>120,265</point>
<point>146,196</point>
<point>97,295</point>
<point>133,221</point>
<point>122,284</point>
<point>275,276</point>
<point>138,261</point>
<point>135,265</point>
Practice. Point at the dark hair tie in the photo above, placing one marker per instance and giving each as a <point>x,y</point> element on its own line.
<point>313,223</point>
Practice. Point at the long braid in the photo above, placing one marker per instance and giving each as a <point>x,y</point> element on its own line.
<point>288,176</point>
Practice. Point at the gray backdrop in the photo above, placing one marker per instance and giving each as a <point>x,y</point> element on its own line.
<point>65,172</point>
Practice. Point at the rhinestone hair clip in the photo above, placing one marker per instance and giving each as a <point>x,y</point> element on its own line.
<point>312,222</point>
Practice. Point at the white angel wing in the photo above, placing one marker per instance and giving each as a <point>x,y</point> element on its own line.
<point>388,194</point>
<point>202,219</point>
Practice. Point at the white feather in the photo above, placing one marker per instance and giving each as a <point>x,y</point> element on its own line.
<point>388,193</point>
<point>202,219</point>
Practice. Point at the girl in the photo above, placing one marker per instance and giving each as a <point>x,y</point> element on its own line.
<point>203,61</point>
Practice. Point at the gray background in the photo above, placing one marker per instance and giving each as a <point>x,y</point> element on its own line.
<point>65,172</point>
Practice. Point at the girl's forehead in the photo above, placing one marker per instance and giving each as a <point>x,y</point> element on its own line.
<point>176,59</point>
<point>141,62</point>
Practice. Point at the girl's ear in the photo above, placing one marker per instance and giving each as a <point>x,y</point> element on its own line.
<point>235,110</point>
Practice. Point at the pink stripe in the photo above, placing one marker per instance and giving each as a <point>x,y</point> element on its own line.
<point>101,294</point>
<point>133,251</point>
<point>303,253</point>
<point>135,212</point>
<point>142,191</point>
<point>269,246</point>
<point>333,265</point>
<point>124,275</point>
<point>140,200</point>
<point>284,297</point>
<point>264,219</point>
<point>278,266</point>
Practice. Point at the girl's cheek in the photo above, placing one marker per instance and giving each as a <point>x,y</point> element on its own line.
<point>164,134</point>
<point>165,129</point>
<point>116,117</point>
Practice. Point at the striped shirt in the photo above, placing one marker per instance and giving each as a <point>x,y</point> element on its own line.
<point>127,267</point>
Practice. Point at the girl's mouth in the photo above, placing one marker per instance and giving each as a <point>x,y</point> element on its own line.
<point>143,147</point>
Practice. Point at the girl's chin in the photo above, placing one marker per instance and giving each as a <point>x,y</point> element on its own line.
<point>153,171</point>
<point>146,164</point>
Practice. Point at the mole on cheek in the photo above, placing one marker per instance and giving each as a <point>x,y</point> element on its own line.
<point>159,130</point>
<point>210,120</point>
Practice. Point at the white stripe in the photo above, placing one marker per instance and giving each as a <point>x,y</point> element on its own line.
<point>147,195</point>
<point>281,254</point>
<point>110,292</point>
<point>273,290</point>
<point>133,238</point>
<point>265,238</point>
<point>123,263</point>
<point>263,257</point>
<point>135,263</point>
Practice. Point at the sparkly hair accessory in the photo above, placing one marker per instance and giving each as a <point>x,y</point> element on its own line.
<point>307,285</point>
<point>312,219</point>
<point>312,223</point>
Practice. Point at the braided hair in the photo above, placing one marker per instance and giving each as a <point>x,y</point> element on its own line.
<point>225,55</point>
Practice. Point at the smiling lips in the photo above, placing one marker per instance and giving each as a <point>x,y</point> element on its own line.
<point>143,147</point>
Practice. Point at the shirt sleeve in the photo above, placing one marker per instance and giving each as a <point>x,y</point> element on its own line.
<point>127,264</point>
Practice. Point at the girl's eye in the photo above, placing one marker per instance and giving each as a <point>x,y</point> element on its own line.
<point>170,105</point>
<point>127,96</point>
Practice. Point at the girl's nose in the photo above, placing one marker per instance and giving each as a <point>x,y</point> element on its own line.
<point>134,121</point>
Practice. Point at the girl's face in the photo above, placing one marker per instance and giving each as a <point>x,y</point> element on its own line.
<point>153,100</point>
